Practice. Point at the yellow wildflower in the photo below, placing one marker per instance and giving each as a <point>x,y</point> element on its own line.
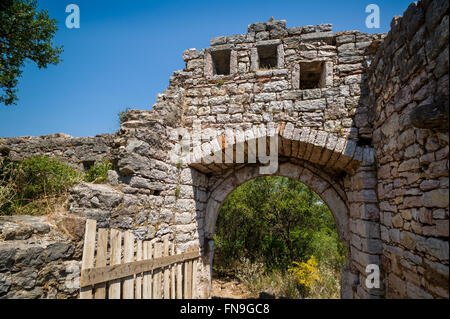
<point>307,273</point>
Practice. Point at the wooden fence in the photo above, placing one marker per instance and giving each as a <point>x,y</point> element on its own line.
<point>136,269</point>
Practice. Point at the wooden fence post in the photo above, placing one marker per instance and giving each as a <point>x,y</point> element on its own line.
<point>88,254</point>
<point>172,273</point>
<point>147,284</point>
<point>116,244</point>
<point>128,283</point>
<point>157,274</point>
<point>138,292</point>
<point>102,253</point>
<point>194,276</point>
<point>179,280</point>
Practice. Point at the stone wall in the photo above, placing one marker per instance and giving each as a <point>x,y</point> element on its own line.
<point>80,152</point>
<point>40,257</point>
<point>410,74</point>
<point>250,95</point>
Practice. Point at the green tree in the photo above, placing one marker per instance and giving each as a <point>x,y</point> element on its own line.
<point>276,220</point>
<point>26,34</point>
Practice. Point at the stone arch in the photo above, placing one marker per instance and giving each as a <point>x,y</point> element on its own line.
<point>319,181</point>
<point>337,169</point>
<point>323,149</point>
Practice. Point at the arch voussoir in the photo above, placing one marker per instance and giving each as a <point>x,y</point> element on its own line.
<point>316,146</point>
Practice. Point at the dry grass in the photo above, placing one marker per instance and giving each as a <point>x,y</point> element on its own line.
<point>39,185</point>
<point>285,285</point>
<point>47,205</point>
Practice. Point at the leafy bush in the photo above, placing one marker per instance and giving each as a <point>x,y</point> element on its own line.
<point>307,273</point>
<point>98,173</point>
<point>328,250</point>
<point>316,282</point>
<point>29,186</point>
<point>122,115</point>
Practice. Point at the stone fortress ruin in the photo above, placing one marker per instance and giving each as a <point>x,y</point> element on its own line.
<point>360,118</point>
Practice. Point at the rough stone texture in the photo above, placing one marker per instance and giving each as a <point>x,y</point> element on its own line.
<point>350,139</point>
<point>406,76</point>
<point>38,259</point>
<point>78,152</point>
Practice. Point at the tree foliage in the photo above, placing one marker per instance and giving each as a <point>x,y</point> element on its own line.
<point>276,220</point>
<point>26,34</point>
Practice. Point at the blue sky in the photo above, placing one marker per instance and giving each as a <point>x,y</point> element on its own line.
<point>125,51</point>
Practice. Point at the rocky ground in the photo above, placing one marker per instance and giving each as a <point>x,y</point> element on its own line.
<point>225,288</point>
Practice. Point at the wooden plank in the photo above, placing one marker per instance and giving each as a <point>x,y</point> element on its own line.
<point>194,277</point>
<point>189,279</point>
<point>116,245</point>
<point>185,277</point>
<point>139,253</point>
<point>179,276</point>
<point>100,260</point>
<point>128,282</point>
<point>88,255</point>
<point>147,280</point>
<point>98,275</point>
<point>157,274</point>
<point>166,270</point>
<point>172,273</point>
<point>152,276</point>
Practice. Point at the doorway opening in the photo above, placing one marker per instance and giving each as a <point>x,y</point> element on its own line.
<point>276,238</point>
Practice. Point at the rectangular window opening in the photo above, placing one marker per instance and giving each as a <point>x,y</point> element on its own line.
<point>312,75</point>
<point>221,62</point>
<point>268,57</point>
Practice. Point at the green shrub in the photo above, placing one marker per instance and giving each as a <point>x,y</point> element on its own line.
<point>41,175</point>
<point>122,114</point>
<point>98,172</point>
<point>29,186</point>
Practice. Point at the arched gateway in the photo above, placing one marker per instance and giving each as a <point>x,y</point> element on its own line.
<point>338,170</point>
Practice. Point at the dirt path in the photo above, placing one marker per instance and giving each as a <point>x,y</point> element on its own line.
<point>229,289</point>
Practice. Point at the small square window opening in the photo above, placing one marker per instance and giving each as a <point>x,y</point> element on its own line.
<point>221,62</point>
<point>268,57</point>
<point>312,75</point>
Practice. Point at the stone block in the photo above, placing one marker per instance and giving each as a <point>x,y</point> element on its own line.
<point>310,105</point>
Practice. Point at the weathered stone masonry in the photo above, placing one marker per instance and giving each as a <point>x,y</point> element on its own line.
<point>79,152</point>
<point>340,104</point>
<point>410,74</point>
